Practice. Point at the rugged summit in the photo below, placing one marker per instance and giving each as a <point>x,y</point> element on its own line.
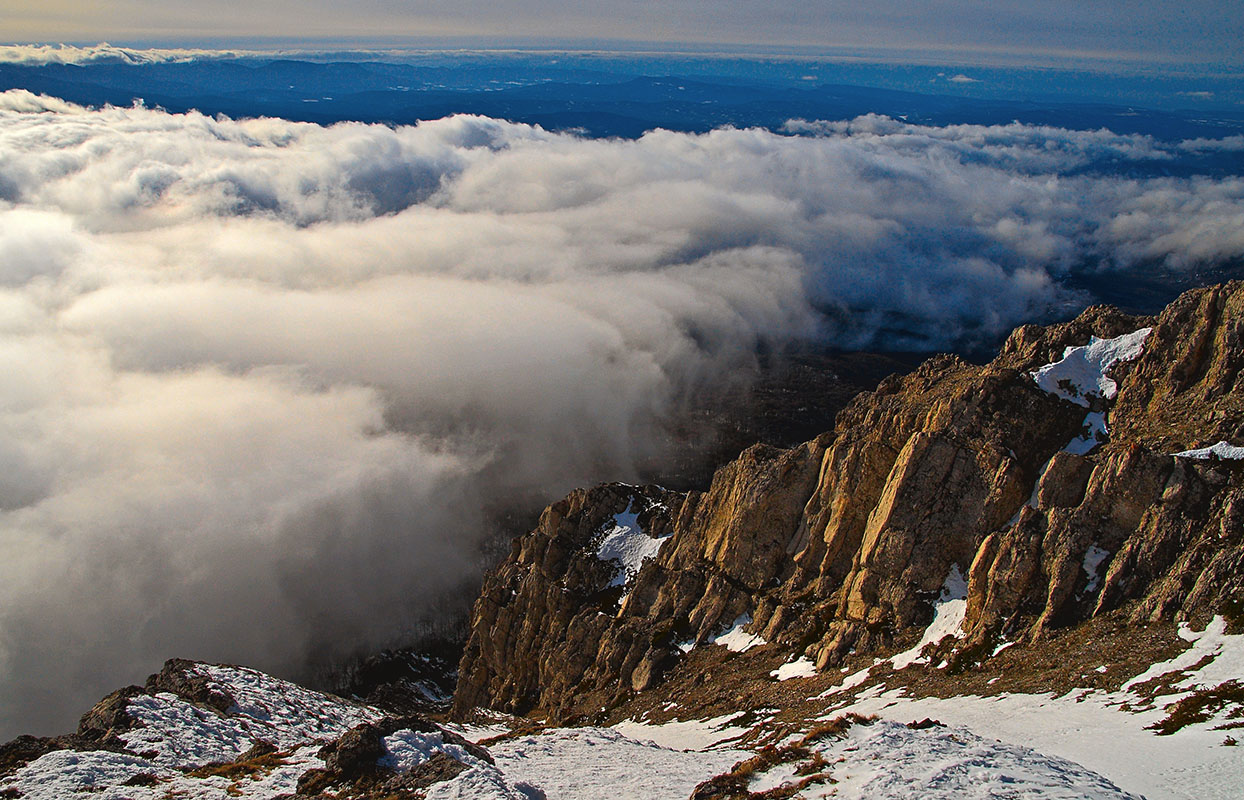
<point>1062,480</point>
<point>217,731</point>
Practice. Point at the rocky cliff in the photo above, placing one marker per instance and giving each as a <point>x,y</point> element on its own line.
<point>1047,481</point>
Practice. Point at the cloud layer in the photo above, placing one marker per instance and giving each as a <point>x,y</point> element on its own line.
<point>261,380</point>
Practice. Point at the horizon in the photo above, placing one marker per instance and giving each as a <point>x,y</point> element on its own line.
<point>1200,32</point>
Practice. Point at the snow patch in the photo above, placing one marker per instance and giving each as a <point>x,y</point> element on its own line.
<point>704,734</point>
<point>407,749</point>
<point>799,668</point>
<point>1221,450</point>
<point>1108,733</point>
<point>948,615</point>
<point>1081,373</point>
<point>736,640</point>
<point>606,764</point>
<point>180,734</point>
<point>889,760</point>
<point>1093,557</point>
<point>1094,433</point>
<point>1227,651</point>
<point>628,546</point>
<point>284,713</point>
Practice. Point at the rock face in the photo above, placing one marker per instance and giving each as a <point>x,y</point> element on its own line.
<point>843,543</point>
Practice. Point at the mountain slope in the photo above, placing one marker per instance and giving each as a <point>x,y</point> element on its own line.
<point>1013,502</point>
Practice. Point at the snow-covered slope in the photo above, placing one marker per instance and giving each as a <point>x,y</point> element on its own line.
<point>214,731</point>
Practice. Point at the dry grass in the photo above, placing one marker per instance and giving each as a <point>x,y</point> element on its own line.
<point>239,769</point>
<point>837,727</point>
<point>1202,706</point>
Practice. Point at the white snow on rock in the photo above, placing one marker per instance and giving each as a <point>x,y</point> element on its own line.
<point>1094,433</point>
<point>948,615</point>
<point>734,638</point>
<point>175,736</point>
<point>849,682</point>
<point>407,749</point>
<point>887,761</point>
<point>1081,374</point>
<point>482,782</point>
<point>605,764</point>
<point>1092,566</point>
<point>178,733</point>
<point>1221,450</point>
<point>1225,650</point>
<point>628,546</point>
<point>799,668</point>
<point>65,773</point>
<point>100,774</point>
<point>286,712</point>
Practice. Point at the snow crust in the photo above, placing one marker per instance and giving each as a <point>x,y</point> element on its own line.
<point>1221,450</point>
<point>1107,732</point>
<point>285,713</point>
<point>175,735</point>
<point>606,764</point>
<point>628,546</point>
<point>180,734</point>
<point>406,749</point>
<point>704,734</point>
<point>100,774</point>
<point>887,760</point>
<point>1081,373</point>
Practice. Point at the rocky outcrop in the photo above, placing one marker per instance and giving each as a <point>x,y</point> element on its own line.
<point>216,731</point>
<point>844,543</point>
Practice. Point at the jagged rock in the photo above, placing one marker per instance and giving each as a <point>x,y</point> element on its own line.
<point>210,729</point>
<point>108,717</point>
<point>843,543</point>
<point>179,677</point>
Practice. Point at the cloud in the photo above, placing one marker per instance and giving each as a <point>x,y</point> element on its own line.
<point>264,381</point>
<point>961,78</point>
<point>103,53</point>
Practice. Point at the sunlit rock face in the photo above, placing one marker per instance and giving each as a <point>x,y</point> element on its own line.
<point>850,541</point>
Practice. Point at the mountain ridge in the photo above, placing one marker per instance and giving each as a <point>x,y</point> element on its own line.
<point>841,545</point>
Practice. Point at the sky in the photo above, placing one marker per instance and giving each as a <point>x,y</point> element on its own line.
<point>1141,31</point>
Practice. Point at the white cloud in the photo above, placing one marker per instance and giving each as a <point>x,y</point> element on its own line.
<point>261,377</point>
<point>104,53</point>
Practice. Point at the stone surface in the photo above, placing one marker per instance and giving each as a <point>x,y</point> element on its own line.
<point>843,543</point>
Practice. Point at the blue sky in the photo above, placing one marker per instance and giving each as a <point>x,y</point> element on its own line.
<point>1032,31</point>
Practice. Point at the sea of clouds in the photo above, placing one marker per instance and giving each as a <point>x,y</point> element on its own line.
<point>260,380</point>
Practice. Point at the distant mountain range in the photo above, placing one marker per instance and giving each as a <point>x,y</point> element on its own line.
<point>598,102</point>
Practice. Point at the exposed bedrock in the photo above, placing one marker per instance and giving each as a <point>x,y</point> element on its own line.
<point>844,543</point>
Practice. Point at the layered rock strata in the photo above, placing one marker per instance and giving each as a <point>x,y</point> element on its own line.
<point>1058,501</point>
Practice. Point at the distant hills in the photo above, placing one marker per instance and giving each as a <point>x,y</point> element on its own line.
<point>624,101</point>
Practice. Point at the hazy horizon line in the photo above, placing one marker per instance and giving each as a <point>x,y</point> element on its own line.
<point>380,47</point>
